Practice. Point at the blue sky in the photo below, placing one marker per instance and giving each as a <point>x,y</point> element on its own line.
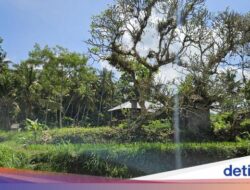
<point>61,22</point>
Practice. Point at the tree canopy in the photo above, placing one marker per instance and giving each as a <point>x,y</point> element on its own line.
<point>145,35</point>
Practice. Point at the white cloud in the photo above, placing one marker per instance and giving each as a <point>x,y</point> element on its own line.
<point>106,65</point>
<point>170,72</point>
<point>237,71</point>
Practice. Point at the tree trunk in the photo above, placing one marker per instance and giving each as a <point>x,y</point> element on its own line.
<point>195,123</point>
<point>100,109</point>
<point>4,115</point>
<point>68,106</point>
<point>76,118</point>
<point>46,114</point>
<point>60,112</point>
<point>86,116</point>
<point>83,114</point>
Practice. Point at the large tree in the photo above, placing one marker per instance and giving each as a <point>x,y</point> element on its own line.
<point>65,83</point>
<point>141,36</point>
<point>118,35</point>
<point>216,47</point>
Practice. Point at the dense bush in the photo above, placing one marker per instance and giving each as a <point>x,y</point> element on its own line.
<point>82,135</point>
<point>3,136</point>
<point>116,160</point>
<point>108,151</point>
<point>222,126</point>
<point>230,126</point>
<point>245,123</point>
<point>10,157</point>
<point>154,132</point>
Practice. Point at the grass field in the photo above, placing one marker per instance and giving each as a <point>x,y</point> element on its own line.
<point>96,151</point>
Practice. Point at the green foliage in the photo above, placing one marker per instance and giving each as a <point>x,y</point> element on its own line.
<point>222,126</point>
<point>116,160</point>
<point>244,131</point>
<point>95,135</point>
<point>245,123</point>
<point>158,131</point>
<point>82,135</point>
<point>243,137</point>
<point>96,154</point>
<point>12,158</point>
<point>221,122</point>
<point>186,87</point>
<point>246,90</point>
<point>121,134</point>
<point>231,126</point>
<point>159,124</point>
<point>34,127</point>
<point>57,87</point>
<point>2,53</point>
<point>3,136</point>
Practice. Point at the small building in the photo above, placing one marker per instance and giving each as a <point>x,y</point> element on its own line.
<point>130,110</point>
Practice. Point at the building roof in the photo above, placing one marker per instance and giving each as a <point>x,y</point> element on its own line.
<point>151,107</point>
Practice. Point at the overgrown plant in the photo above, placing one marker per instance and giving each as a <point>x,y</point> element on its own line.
<point>35,127</point>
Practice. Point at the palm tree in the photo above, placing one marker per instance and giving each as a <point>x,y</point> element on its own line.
<point>8,105</point>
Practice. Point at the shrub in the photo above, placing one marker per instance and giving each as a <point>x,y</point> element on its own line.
<point>221,122</point>
<point>222,126</point>
<point>230,126</point>
<point>11,158</point>
<point>125,160</point>
<point>35,127</point>
<point>82,135</point>
<point>245,123</point>
<point>116,160</point>
<point>31,125</point>
<point>106,135</point>
<point>158,131</point>
<point>159,124</point>
<point>3,136</point>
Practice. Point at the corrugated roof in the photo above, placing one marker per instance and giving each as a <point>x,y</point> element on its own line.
<point>151,107</point>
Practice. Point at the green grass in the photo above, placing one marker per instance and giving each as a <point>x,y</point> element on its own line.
<point>94,135</point>
<point>83,135</point>
<point>62,153</point>
<point>116,160</point>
